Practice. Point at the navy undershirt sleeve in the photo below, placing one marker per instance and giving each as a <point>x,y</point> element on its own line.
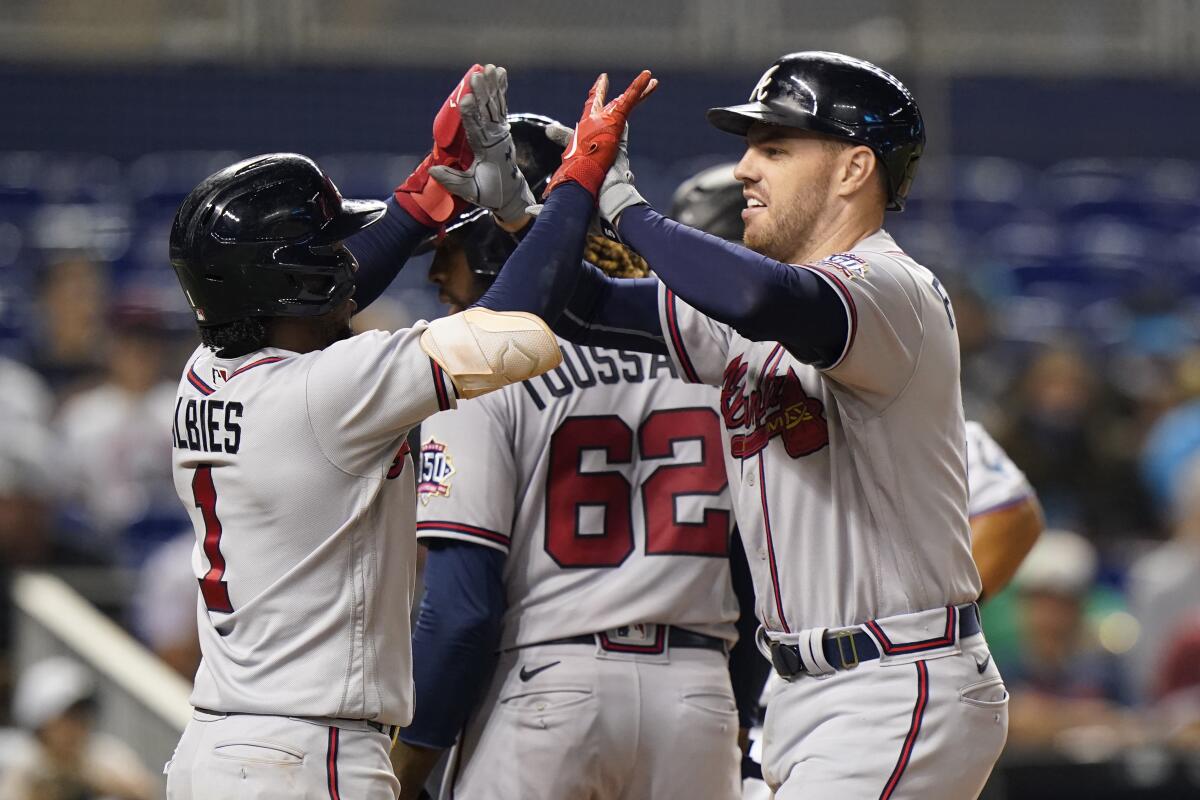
<point>763,299</point>
<point>381,251</point>
<point>455,639</point>
<point>540,275</point>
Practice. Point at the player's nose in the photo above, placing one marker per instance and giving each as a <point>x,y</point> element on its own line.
<point>744,170</point>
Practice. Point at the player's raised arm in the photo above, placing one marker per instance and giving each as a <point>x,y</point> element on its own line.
<point>546,274</point>
<point>419,207</point>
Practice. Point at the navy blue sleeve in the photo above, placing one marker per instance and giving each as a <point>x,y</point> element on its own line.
<point>540,275</point>
<point>762,299</point>
<point>455,638</point>
<point>381,251</point>
<point>547,276</point>
<point>747,668</point>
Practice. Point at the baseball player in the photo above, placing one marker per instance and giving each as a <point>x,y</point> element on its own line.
<point>290,454</point>
<point>838,365</point>
<point>580,525</point>
<point>1005,516</point>
<point>1004,513</point>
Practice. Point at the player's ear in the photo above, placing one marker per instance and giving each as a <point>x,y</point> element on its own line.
<point>859,168</point>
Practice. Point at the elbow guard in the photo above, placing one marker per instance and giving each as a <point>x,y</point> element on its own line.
<point>484,350</point>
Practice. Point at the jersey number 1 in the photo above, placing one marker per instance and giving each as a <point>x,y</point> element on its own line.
<point>212,586</point>
<point>571,493</point>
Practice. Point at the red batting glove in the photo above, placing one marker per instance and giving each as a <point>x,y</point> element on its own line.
<point>593,148</point>
<point>422,197</point>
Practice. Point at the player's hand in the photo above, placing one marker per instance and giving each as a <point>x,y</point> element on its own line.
<point>493,180</point>
<point>594,144</point>
<point>618,193</point>
<point>426,200</point>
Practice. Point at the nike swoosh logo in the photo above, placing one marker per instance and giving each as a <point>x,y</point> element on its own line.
<point>526,674</point>
<point>982,665</point>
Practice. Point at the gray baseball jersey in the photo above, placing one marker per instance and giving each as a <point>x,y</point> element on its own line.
<point>849,483</point>
<point>298,480</point>
<point>995,482</point>
<point>608,460</point>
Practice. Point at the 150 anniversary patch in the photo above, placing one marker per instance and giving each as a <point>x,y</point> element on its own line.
<point>436,469</point>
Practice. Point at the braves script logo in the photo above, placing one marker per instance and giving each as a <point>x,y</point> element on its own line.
<point>436,470</point>
<point>777,406</point>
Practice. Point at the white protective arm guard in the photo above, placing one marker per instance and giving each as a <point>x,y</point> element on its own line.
<point>484,350</point>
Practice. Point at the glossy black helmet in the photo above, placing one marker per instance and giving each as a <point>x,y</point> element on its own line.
<point>711,201</point>
<point>487,245</point>
<point>262,238</point>
<point>843,97</point>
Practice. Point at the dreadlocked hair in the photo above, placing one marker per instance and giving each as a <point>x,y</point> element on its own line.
<point>613,258</point>
<point>236,338</point>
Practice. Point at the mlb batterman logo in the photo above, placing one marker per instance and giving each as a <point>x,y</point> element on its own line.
<point>436,471</point>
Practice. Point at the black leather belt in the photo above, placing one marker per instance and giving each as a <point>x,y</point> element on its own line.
<point>846,649</point>
<point>386,730</point>
<point>676,637</point>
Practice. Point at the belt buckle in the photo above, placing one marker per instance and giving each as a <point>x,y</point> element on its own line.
<point>840,637</point>
<point>786,661</point>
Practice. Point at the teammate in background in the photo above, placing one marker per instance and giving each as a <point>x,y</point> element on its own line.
<point>578,524</point>
<point>290,454</point>
<point>1006,518</point>
<point>838,362</point>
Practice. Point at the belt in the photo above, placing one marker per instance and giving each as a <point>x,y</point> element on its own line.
<point>676,637</point>
<point>387,730</point>
<point>848,648</point>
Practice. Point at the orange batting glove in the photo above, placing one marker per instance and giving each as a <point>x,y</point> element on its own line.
<point>593,147</point>
<point>426,200</point>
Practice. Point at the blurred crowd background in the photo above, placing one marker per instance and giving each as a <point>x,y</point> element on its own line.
<point>1059,201</point>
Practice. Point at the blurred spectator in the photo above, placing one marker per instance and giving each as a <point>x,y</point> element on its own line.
<point>65,759</point>
<point>115,438</point>
<point>1176,712</point>
<point>1163,586</point>
<point>164,605</point>
<point>1175,438</point>
<point>26,481</point>
<point>1066,433</point>
<point>68,349</point>
<point>987,366</point>
<point>1063,679</point>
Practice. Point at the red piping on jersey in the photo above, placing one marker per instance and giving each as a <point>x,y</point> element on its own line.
<point>689,371</point>
<point>768,367</point>
<point>841,287</point>
<point>206,390</point>
<point>253,364</point>
<point>762,489</point>
<point>439,386</point>
<point>331,770</point>
<point>945,639</point>
<point>200,386</point>
<point>913,730</point>
<point>458,527</point>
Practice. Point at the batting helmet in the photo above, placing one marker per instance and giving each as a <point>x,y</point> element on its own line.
<point>711,201</point>
<point>487,245</point>
<point>260,239</point>
<point>842,97</point>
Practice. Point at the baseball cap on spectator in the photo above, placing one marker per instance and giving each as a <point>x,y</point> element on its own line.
<point>1062,562</point>
<point>48,689</point>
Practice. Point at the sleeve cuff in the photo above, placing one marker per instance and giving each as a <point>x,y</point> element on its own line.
<point>445,529</point>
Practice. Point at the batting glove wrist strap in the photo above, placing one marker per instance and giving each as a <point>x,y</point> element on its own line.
<point>493,180</point>
<point>423,198</point>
